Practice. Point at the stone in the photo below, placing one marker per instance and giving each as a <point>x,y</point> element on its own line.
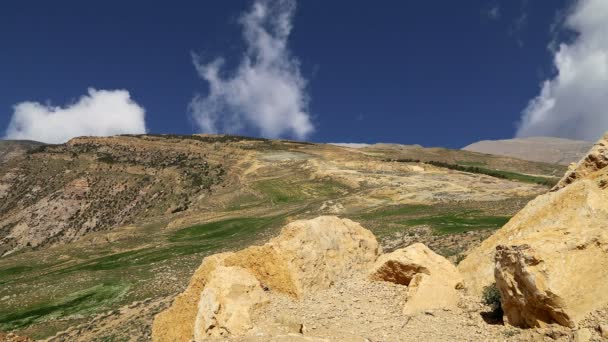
<point>226,303</point>
<point>177,322</point>
<point>603,328</point>
<point>595,160</point>
<point>582,335</point>
<point>549,261</point>
<point>431,279</point>
<point>308,255</point>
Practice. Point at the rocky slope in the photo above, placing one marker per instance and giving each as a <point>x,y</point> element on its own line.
<point>256,293</point>
<point>541,149</point>
<point>10,149</point>
<point>549,262</point>
<point>113,228</point>
<point>344,295</point>
<point>57,194</point>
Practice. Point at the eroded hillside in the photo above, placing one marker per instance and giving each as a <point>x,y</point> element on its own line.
<point>99,224</point>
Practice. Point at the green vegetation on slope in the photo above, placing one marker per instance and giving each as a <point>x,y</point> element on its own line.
<point>446,219</point>
<point>451,223</point>
<point>227,229</point>
<point>63,298</point>
<point>77,303</point>
<point>396,211</point>
<point>474,168</point>
<point>280,191</point>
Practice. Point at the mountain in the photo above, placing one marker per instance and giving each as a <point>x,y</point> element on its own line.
<point>98,235</point>
<point>541,149</point>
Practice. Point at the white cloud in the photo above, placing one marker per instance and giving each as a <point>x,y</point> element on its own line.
<point>100,113</point>
<point>266,92</point>
<point>574,103</point>
<point>491,10</point>
<point>494,12</point>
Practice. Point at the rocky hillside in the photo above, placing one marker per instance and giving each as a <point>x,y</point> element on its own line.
<point>549,262</point>
<point>58,193</point>
<point>541,149</point>
<point>10,149</point>
<point>314,282</point>
<point>100,234</point>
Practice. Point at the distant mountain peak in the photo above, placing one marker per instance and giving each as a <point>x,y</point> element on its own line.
<point>541,149</point>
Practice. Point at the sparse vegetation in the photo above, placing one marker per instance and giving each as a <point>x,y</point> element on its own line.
<point>77,303</point>
<point>498,173</point>
<point>491,296</point>
<point>475,167</point>
<point>459,222</point>
<point>282,190</point>
<point>134,243</point>
<point>396,211</point>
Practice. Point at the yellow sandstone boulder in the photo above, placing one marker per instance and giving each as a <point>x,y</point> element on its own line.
<point>306,256</point>
<point>431,279</point>
<point>550,261</point>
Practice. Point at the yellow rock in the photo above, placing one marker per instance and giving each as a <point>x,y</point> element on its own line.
<point>308,255</point>
<point>177,322</point>
<point>431,279</point>
<point>550,261</point>
<point>226,302</point>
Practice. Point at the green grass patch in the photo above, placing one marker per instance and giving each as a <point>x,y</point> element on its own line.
<point>547,181</point>
<point>520,177</point>
<point>471,163</point>
<point>222,230</point>
<point>16,270</point>
<point>414,209</point>
<point>78,303</point>
<point>451,223</point>
<point>192,240</point>
<point>280,191</point>
<point>243,202</point>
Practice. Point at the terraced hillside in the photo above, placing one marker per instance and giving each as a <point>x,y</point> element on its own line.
<point>113,228</point>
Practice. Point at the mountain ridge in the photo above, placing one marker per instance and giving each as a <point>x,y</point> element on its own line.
<point>541,149</point>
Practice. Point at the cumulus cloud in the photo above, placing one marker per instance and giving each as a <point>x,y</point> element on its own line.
<point>574,103</point>
<point>266,92</point>
<point>100,113</point>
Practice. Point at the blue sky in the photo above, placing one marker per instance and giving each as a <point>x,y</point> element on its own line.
<point>436,73</point>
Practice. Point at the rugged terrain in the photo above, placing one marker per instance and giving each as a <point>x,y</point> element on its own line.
<point>543,276</point>
<point>541,149</point>
<point>10,149</point>
<point>113,228</point>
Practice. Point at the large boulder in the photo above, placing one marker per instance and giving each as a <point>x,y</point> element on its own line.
<point>550,260</point>
<point>308,255</point>
<point>431,279</point>
<point>177,322</point>
<point>595,160</point>
<point>226,302</point>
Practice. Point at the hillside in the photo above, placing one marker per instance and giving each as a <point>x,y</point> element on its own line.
<point>114,227</point>
<point>541,149</point>
<point>10,149</point>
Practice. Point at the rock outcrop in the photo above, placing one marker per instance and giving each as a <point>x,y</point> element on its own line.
<point>595,160</point>
<point>550,260</point>
<point>226,302</point>
<point>431,279</point>
<point>308,255</point>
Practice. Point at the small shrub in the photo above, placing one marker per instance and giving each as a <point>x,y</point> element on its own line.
<point>491,296</point>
